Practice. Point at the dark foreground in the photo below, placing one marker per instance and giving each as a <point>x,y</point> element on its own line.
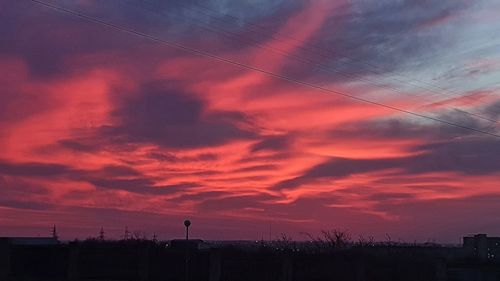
<point>154,261</point>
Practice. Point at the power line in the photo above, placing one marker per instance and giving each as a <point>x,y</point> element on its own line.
<point>311,47</point>
<point>305,47</point>
<point>476,115</point>
<point>252,68</point>
<point>320,66</point>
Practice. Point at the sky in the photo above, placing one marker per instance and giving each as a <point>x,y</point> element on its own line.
<point>250,118</point>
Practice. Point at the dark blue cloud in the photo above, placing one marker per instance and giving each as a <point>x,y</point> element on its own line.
<point>170,157</point>
<point>26,205</point>
<point>366,39</point>
<point>273,143</point>
<point>166,116</point>
<point>390,196</point>
<point>381,33</point>
<point>408,129</point>
<point>111,177</point>
<point>236,202</point>
<point>33,169</point>
<point>257,168</point>
<point>201,196</point>
<point>17,193</point>
<point>79,145</point>
<point>476,156</point>
<point>46,39</point>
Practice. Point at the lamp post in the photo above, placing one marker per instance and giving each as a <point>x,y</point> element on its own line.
<point>187,223</point>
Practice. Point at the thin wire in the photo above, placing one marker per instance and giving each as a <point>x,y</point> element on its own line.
<point>430,87</point>
<point>249,67</point>
<point>476,115</point>
<point>327,51</point>
<point>314,46</point>
<point>321,66</point>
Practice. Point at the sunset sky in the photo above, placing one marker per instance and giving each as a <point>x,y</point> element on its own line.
<point>107,127</point>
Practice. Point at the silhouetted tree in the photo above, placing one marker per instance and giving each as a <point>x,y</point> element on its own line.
<point>336,239</point>
<point>316,242</point>
<point>365,242</point>
<point>330,240</point>
<point>285,243</point>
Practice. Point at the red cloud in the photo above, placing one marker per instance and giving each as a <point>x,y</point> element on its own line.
<point>132,135</point>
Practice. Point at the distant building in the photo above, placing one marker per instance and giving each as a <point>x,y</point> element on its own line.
<point>483,247</point>
<point>192,244</point>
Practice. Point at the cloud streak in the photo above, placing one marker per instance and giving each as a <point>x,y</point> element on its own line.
<point>104,128</point>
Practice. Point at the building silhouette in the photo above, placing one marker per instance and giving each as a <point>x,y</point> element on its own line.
<point>46,259</point>
<point>483,247</point>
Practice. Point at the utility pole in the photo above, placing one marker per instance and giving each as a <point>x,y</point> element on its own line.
<point>126,235</point>
<point>270,233</point>
<point>54,232</point>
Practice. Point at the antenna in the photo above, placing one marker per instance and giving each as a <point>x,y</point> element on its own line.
<point>270,233</point>
<point>101,234</point>
<point>54,232</point>
<point>126,236</point>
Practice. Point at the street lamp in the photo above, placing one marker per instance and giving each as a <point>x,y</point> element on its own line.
<point>187,223</point>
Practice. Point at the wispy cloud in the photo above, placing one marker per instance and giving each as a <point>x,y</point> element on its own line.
<point>103,128</point>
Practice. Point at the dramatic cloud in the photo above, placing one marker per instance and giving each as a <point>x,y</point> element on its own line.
<point>463,157</point>
<point>159,114</point>
<point>102,127</point>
